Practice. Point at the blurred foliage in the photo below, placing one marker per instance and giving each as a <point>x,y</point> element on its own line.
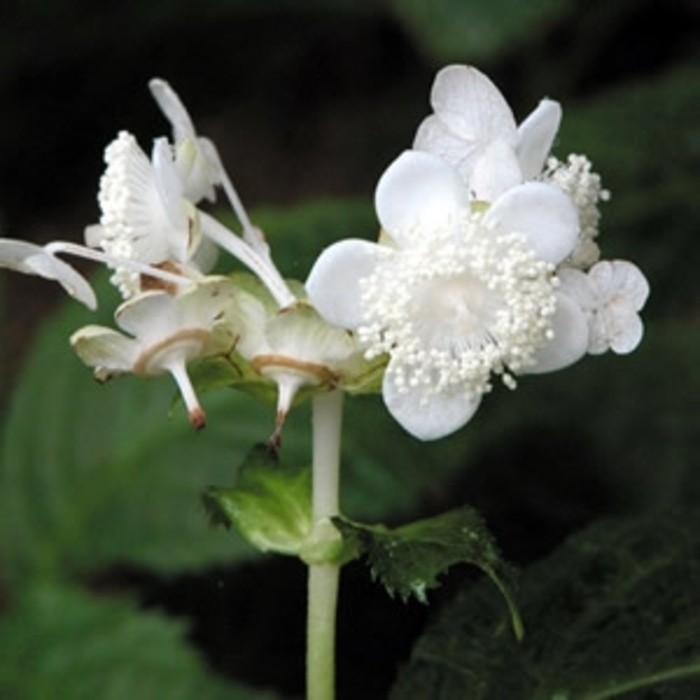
<point>316,99</point>
<point>613,611</point>
<point>59,642</point>
<point>448,29</point>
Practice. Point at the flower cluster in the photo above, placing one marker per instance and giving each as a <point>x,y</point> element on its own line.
<point>161,247</point>
<point>486,263</point>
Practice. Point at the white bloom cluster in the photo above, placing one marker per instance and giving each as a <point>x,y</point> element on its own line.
<point>487,265</point>
<point>161,247</point>
<point>481,268</point>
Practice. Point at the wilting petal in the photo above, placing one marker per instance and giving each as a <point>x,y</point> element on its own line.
<point>428,416</point>
<point>333,284</point>
<point>419,190</point>
<point>536,136</point>
<point>32,259</point>
<point>471,105</point>
<point>544,213</point>
<point>569,342</point>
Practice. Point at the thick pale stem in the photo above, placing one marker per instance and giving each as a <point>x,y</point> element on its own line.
<point>261,265</point>
<point>324,578</point>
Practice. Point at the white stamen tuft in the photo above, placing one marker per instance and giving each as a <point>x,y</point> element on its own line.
<point>456,306</point>
<point>584,187</point>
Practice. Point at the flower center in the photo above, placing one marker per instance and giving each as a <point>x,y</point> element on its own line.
<point>454,307</point>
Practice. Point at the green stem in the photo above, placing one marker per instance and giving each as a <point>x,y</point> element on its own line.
<point>324,578</point>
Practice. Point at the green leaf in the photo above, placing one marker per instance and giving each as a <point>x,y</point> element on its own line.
<point>270,504</point>
<point>452,29</point>
<point>613,611</point>
<point>409,560</point>
<point>59,642</point>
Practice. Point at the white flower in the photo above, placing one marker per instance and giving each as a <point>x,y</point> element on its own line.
<point>473,129</point>
<point>611,296</point>
<point>33,259</point>
<point>165,333</point>
<point>145,216</point>
<point>458,292</point>
<point>195,156</point>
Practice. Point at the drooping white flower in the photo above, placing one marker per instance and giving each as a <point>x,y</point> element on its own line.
<point>195,156</point>
<point>458,291</point>
<point>611,296</point>
<point>294,348</point>
<point>474,130</point>
<point>147,219</point>
<point>165,332</point>
<point>199,164</point>
<point>145,216</point>
<point>32,259</point>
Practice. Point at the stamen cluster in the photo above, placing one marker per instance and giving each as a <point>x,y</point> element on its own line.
<point>457,306</point>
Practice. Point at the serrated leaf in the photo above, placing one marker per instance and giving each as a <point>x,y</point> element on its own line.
<point>613,611</point>
<point>270,504</point>
<point>60,642</point>
<point>410,559</point>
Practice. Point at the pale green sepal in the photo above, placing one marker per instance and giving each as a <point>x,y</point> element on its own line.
<point>270,505</point>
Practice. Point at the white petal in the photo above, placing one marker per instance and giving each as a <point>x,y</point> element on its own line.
<point>182,237</point>
<point>626,331</point>
<point>94,235</point>
<point>441,414</point>
<point>150,316</point>
<point>544,213</point>
<point>333,284</point>
<point>536,136</point>
<point>172,107</point>
<point>299,332</point>
<point>570,341</point>
<point>32,259</point>
<point>433,136</point>
<point>419,190</point>
<point>577,285</point>
<point>471,105</point>
<point>620,281</point>
<point>495,171</point>
<point>105,349</point>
